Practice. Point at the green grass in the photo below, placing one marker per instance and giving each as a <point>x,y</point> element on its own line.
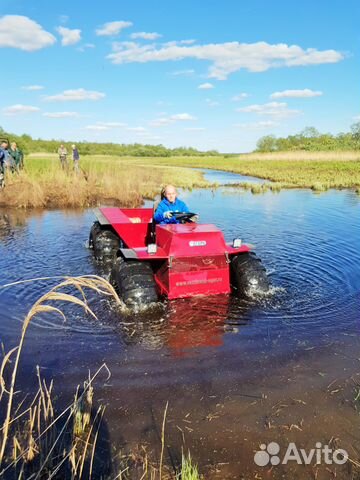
<point>126,181</point>
<point>316,170</point>
<point>189,471</point>
<point>103,179</point>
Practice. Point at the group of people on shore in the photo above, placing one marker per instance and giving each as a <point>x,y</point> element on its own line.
<point>11,156</point>
<point>11,159</point>
<point>63,154</point>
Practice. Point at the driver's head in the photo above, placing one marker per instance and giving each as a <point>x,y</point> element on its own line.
<point>170,193</point>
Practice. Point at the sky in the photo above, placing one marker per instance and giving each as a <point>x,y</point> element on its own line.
<point>208,73</point>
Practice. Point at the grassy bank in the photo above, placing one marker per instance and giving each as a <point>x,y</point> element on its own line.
<point>125,181</point>
<point>102,179</point>
<point>316,170</point>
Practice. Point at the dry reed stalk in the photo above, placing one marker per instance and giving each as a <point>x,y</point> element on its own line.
<point>92,282</point>
<point>162,441</point>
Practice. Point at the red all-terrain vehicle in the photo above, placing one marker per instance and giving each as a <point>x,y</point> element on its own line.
<point>152,261</point>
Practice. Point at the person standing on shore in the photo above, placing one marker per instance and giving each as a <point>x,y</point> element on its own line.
<point>16,155</point>
<point>62,152</point>
<point>3,162</point>
<point>76,158</point>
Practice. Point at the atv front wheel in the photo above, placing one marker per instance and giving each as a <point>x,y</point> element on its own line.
<point>104,241</point>
<point>134,281</point>
<point>248,275</point>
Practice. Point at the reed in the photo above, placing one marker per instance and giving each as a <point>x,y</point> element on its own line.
<point>32,439</point>
<point>35,441</point>
<point>101,179</point>
<point>127,181</point>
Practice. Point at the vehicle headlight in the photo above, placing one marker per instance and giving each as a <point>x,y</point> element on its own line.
<point>237,242</point>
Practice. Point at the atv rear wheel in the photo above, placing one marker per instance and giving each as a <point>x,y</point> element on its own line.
<point>248,275</point>
<point>134,282</point>
<point>104,241</point>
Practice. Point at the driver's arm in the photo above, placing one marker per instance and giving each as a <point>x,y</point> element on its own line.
<point>159,214</point>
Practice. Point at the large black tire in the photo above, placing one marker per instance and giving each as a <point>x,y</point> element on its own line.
<point>134,281</point>
<point>104,241</point>
<point>248,275</point>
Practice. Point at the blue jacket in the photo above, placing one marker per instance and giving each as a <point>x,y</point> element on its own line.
<point>2,156</point>
<point>165,206</point>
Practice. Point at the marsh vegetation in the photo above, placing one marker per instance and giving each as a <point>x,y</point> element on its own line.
<point>126,181</point>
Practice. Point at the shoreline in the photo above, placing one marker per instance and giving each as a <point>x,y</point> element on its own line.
<point>128,181</point>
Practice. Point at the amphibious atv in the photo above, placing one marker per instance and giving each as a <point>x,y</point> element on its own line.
<point>152,261</point>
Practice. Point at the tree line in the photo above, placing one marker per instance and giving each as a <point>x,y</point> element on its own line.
<point>32,145</point>
<point>311,139</point>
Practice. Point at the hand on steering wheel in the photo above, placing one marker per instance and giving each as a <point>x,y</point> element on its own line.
<point>185,217</point>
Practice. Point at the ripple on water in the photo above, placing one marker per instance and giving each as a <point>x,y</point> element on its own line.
<point>308,244</point>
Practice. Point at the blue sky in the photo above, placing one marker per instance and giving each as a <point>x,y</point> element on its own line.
<point>208,74</point>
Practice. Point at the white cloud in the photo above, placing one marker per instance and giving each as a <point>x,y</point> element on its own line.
<point>19,109</point>
<point>103,126</point>
<point>187,42</point>
<point>77,95</point>
<point>257,125</point>
<point>179,117</point>
<point>227,57</point>
<point>82,48</point>
<point>60,114</point>
<point>305,93</point>
<point>64,18</point>
<point>240,97</point>
<point>69,37</point>
<point>17,31</point>
<point>161,122</point>
<point>274,109</point>
<point>32,88</point>
<point>112,28</point>
<point>96,128</point>
<point>136,129</point>
<point>112,124</point>
<point>212,103</point>
<point>185,73</point>
<point>206,86</point>
<point>356,118</point>
<point>195,129</point>
<point>145,35</point>
<point>182,117</point>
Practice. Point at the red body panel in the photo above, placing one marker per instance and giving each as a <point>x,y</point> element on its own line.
<point>131,224</point>
<point>192,259</point>
<point>188,276</point>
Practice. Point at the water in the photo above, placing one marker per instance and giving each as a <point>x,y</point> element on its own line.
<point>236,373</point>
<point>228,178</point>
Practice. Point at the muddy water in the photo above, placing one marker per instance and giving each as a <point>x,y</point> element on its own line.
<point>236,374</point>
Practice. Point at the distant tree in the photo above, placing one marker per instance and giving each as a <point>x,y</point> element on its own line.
<point>355,133</point>
<point>267,144</point>
<point>310,132</point>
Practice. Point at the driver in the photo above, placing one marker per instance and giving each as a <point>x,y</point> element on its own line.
<point>169,203</point>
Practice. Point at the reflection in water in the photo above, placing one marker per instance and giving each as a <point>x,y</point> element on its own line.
<point>180,325</point>
<point>224,364</point>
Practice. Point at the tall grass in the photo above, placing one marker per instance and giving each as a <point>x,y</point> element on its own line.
<point>189,471</point>
<point>126,181</point>
<point>316,170</point>
<point>102,179</point>
<point>35,441</point>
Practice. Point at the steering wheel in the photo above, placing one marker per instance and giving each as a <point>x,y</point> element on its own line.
<point>183,217</point>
